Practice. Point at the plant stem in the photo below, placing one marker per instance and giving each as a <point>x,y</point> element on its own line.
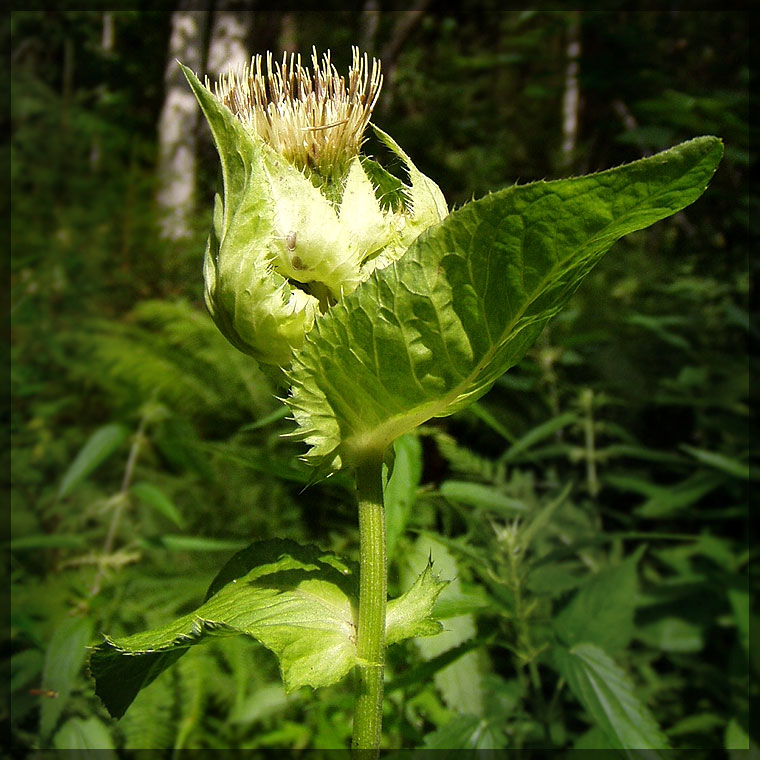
<point>373,584</point>
<point>126,482</point>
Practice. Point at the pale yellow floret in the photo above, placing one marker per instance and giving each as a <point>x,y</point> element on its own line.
<point>314,119</point>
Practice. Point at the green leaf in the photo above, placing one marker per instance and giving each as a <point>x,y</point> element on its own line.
<point>298,601</point>
<point>85,735</point>
<point>736,737</point>
<point>467,732</point>
<point>601,611</point>
<point>156,499</point>
<point>100,445</point>
<point>460,681</point>
<point>420,674</point>
<point>738,597</point>
<point>176,543</point>
<point>481,497</point>
<point>483,414</point>
<point>723,463</point>
<point>46,541</point>
<point>410,614</point>
<point>668,500</point>
<point>63,660</point>
<point>672,634</point>
<point>262,703</point>
<point>539,433</point>
<point>401,489</point>
<point>432,332</point>
<point>595,739</point>
<point>542,516</point>
<point>607,694</point>
<point>278,414</point>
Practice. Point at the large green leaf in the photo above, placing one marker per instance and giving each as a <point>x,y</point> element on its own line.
<point>432,332</point>
<point>607,694</point>
<point>298,601</point>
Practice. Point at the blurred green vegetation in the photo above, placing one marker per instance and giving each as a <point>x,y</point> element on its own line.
<point>145,449</point>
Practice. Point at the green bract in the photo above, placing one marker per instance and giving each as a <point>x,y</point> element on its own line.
<point>288,241</point>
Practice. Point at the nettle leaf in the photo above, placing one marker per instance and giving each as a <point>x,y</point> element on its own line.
<point>298,601</point>
<point>607,694</point>
<point>431,332</point>
<point>602,610</point>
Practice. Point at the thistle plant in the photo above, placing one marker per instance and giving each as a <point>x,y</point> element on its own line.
<point>378,310</point>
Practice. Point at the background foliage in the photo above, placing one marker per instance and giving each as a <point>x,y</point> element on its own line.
<point>597,495</point>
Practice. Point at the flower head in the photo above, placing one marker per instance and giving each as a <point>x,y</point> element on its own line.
<point>314,119</point>
<point>304,219</point>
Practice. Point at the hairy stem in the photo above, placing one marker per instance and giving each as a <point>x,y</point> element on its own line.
<point>373,583</point>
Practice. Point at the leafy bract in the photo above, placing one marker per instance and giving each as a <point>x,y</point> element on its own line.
<point>410,615</point>
<point>432,331</point>
<point>298,601</point>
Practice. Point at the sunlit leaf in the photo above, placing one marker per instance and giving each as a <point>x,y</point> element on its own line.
<point>298,601</point>
<point>410,614</point>
<point>432,332</point>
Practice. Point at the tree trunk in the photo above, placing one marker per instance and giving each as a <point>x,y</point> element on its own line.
<point>107,46</point>
<point>369,24</point>
<point>571,99</point>
<point>228,48</point>
<point>288,37</point>
<point>177,126</point>
<point>406,21</point>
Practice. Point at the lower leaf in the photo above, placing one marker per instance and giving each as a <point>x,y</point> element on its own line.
<point>298,601</point>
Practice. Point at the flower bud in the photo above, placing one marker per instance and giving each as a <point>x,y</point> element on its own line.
<point>304,218</point>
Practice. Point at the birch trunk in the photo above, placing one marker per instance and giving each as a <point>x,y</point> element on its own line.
<point>107,46</point>
<point>228,47</point>
<point>177,127</point>
<point>571,99</point>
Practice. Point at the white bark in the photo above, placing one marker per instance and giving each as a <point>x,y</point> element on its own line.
<point>288,37</point>
<point>370,21</point>
<point>107,38</point>
<point>107,46</point>
<point>571,100</point>
<point>177,127</point>
<point>227,47</point>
